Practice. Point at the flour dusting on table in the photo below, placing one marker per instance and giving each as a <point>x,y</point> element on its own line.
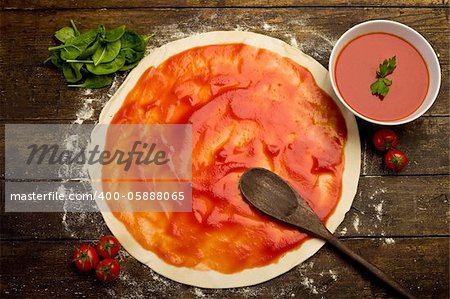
<point>389,241</point>
<point>356,223</point>
<point>74,222</point>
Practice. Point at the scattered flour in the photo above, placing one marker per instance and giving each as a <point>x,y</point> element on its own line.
<point>74,223</point>
<point>87,91</point>
<point>309,284</point>
<point>293,42</point>
<point>389,241</point>
<point>379,210</point>
<point>198,293</point>
<point>333,275</point>
<point>356,223</point>
<point>343,231</point>
<point>86,112</point>
<point>364,162</point>
<point>268,27</point>
<point>240,28</point>
<point>326,277</point>
<point>377,192</point>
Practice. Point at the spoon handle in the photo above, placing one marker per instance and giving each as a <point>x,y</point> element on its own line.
<point>377,272</point>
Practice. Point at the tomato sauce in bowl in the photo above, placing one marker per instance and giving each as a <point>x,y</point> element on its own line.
<point>356,69</point>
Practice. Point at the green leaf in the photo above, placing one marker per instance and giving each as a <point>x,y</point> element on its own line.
<point>95,82</point>
<point>107,68</point>
<point>101,31</point>
<point>55,59</point>
<point>386,82</point>
<point>379,87</point>
<point>75,29</point>
<point>89,50</point>
<point>89,58</point>
<point>76,45</point>
<point>64,34</point>
<point>79,61</point>
<point>387,67</point>
<point>133,41</point>
<point>114,34</point>
<point>106,53</point>
<point>72,72</point>
<point>131,56</point>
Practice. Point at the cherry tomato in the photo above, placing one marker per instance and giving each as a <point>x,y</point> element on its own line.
<point>107,270</point>
<point>395,159</point>
<point>385,139</point>
<point>108,246</point>
<point>85,258</point>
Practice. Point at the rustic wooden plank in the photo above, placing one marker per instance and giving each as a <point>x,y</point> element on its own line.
<point>399,206</point>
<point>410,206</point>
<point>422,265</point>
<point>31,90</point>
<point>425,141</point>
<point>48,4</point>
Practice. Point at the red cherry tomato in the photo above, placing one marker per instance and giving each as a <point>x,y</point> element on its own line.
<point>85,258</point>
<point>107,270</point>
<point>385,139</point>
<point>395,159</point>
<point>108,246</point>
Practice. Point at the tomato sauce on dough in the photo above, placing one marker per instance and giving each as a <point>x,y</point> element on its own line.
<point>249,107</point>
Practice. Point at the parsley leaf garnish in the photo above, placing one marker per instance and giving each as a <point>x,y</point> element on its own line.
<point>381,85</point>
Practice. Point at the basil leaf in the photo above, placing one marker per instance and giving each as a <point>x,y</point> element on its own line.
<point>133,41</point>
<point>75,29</point>
<point>55,59</point>
<point>90,50</point>
<point>76,45</point>
<point>106,53</point>
<point>95,82</point>
<point>131,56</point>
<point>101,31</point>
<point>114,34</point>
<point>107,68</point>
<point>72,72</point>
<point>64,34</point>
<point>87,58</point>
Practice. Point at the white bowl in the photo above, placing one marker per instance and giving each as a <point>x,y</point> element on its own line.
<point>410,35</point>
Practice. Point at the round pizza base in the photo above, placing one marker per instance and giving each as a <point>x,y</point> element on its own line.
<point>213,279</point>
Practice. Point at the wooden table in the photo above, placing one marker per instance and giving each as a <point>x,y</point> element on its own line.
<point>398,221</point>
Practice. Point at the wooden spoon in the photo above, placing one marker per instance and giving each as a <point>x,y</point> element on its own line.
<point>272,195</point>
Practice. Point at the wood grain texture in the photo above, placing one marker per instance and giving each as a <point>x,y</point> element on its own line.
<point>398,221</point>
<point>32,90</point>
<point>425,141</point>
<point>326,274</point>
<point>49,4</point>
<point>410,206</point>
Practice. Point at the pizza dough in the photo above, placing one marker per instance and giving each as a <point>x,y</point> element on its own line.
<point>213,279</point>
